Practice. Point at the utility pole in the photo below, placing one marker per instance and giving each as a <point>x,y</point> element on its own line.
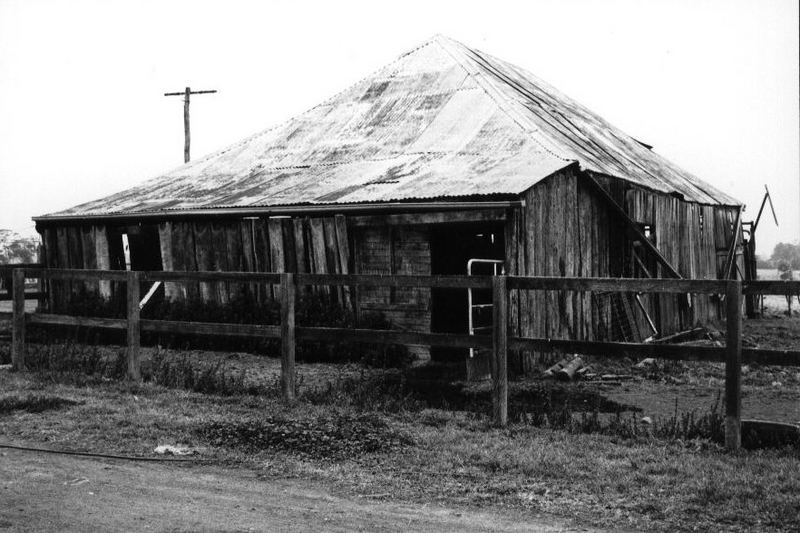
<point>187,136</point>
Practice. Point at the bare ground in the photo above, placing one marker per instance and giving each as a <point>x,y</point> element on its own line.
<point>58,493</point>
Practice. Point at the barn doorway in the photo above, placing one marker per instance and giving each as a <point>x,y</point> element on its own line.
<point>452,247</point>
<point>137,247</point>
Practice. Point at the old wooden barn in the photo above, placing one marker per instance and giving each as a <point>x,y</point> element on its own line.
<point>445,161</point>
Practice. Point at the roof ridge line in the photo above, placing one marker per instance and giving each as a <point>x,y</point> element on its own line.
<point>502,103</point>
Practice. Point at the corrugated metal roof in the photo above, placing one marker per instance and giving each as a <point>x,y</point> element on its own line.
<point>441,121</point>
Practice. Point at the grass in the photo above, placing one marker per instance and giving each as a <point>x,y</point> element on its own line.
<point>380,438</point>
<point>32,403</point>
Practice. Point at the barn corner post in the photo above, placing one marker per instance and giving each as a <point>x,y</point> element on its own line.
<point>733,365</point>
<point>18,320</point>
<point>288,297</point>
<point>500,350</point>
<point>134,363</point>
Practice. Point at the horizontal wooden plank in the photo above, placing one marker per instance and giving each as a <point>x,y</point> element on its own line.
<point>379,280</point>
<point>393,337</point>
<point>68,320</point>
<point>263,277</point>
<point>621,349</point>
<point>34,295</point>
<point>650,285</point>
<point>163,326</point>
<point>11,266</point>
<point>79,274</point>
<point>6,315</point>
<point>211,328</point>
<point>771,287</point>
<point>442,217</point>
<point>607,349</point>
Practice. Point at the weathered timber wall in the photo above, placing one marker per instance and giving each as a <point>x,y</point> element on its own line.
<point>84,247</point>
<point>562,230</point>
<point>565,229</point>
<point>277,244</point>
<point>404,250</point>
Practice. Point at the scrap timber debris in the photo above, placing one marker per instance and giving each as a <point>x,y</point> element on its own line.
<point>573,368</point>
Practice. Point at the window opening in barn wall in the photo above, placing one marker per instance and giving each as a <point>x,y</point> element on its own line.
<point>452,248</point>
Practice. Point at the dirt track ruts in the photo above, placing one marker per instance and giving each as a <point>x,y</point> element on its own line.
<point>59,493</point>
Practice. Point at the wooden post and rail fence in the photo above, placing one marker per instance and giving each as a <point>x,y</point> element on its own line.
<point>732,354</point>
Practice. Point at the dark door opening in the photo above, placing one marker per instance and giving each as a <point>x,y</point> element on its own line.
<point>139,248</point>
<point>452,246</point>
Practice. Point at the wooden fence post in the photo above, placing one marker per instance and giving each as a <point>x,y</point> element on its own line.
<point>18,320</point>
<point>733,366</point>
<point>288,296</point>
<point>500,350</point>
<point>134,370</point>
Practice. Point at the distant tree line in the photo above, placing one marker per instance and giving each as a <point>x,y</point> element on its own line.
<point>785,255</point>
<point>17,249</point>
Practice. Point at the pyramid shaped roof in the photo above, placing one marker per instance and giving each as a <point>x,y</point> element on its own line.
<point>443,121</point>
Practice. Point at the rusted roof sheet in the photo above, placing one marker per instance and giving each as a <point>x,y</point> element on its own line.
<point>442,121</point>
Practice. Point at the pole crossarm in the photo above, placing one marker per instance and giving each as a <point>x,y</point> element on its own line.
<point>183,93</point>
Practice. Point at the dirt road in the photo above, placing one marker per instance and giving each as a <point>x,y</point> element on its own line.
<point>43,492</point>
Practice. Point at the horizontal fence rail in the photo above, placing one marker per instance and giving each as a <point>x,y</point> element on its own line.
<point>498,343</point>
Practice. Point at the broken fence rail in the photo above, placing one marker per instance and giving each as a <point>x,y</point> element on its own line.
<point>499,342</point>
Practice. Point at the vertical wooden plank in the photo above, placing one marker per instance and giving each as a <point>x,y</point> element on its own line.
<point>103,256</point>
<point>204,256</point>
<point>343,255</point>
<point>570,207</point>
<point>275,231</point>
<point>300,245</point>
<point>190,258</point>
<point>134,363</point>
<point>219,249</point>
<point>179,259</point>
<point>89,259</point>
<point>233,242</point>
<point>288,296</point>
<point>261,242</point>
<point>512,269</point>
<point>18,320</point>
<point>733,366</point>
<point>171,289</point>
<point>500,351</point>
<point>317,244</point>
<point>535,300</point>
<point>247,231</point>
<point>332,254</point>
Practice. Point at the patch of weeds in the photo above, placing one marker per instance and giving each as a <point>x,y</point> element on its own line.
<point>688,426</point>
<point>338,437</point>
<point>387,393</point>
<point>33,403</point>
<point>214,378</point>
<point>69,361</point>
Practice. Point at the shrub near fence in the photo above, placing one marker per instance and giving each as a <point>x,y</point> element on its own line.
<point>499,343</point>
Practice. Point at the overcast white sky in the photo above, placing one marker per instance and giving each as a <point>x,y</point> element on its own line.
<point>713,85</point>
